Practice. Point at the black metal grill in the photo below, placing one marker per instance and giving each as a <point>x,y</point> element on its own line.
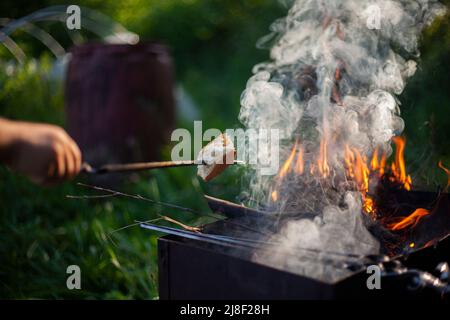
<point>196,269</point>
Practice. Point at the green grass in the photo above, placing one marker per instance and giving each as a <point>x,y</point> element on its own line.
<point>43,232</point>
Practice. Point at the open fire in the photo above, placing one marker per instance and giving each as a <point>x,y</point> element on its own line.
<point>330,88</point>
<point>365,172</point>
<point>342,198</point>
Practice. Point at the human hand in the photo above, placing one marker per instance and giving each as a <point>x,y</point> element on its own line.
<point>44,153</point>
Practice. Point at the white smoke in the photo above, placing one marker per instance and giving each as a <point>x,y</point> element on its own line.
<point>332,77</point>
<point>332,236</point>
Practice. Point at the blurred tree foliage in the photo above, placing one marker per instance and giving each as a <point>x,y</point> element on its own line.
<point>42,103</point>
<point>212,42</point>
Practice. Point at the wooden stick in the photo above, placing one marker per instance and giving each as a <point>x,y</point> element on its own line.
<point>135,166</point>
<point>139,166</point>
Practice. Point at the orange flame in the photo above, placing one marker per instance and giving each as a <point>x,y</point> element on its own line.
<point>368,205</point>
<point>382,164</point>
<point>360,169</point>
<point>398,167</point>
<point>286,168</point>
<point>299,165</point>
<point>287,165</point>
<point>374,164</point>
<point>357,168</point>
<point>447,171</point>
<point>410,220</point>
<point>274,196</point>
<point>322,162</point>
<point>321,166</point>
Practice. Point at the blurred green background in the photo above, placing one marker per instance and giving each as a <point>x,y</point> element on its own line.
<point>213,48</point>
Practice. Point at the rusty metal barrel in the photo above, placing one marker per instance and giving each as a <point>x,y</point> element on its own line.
<point>119,101</point>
